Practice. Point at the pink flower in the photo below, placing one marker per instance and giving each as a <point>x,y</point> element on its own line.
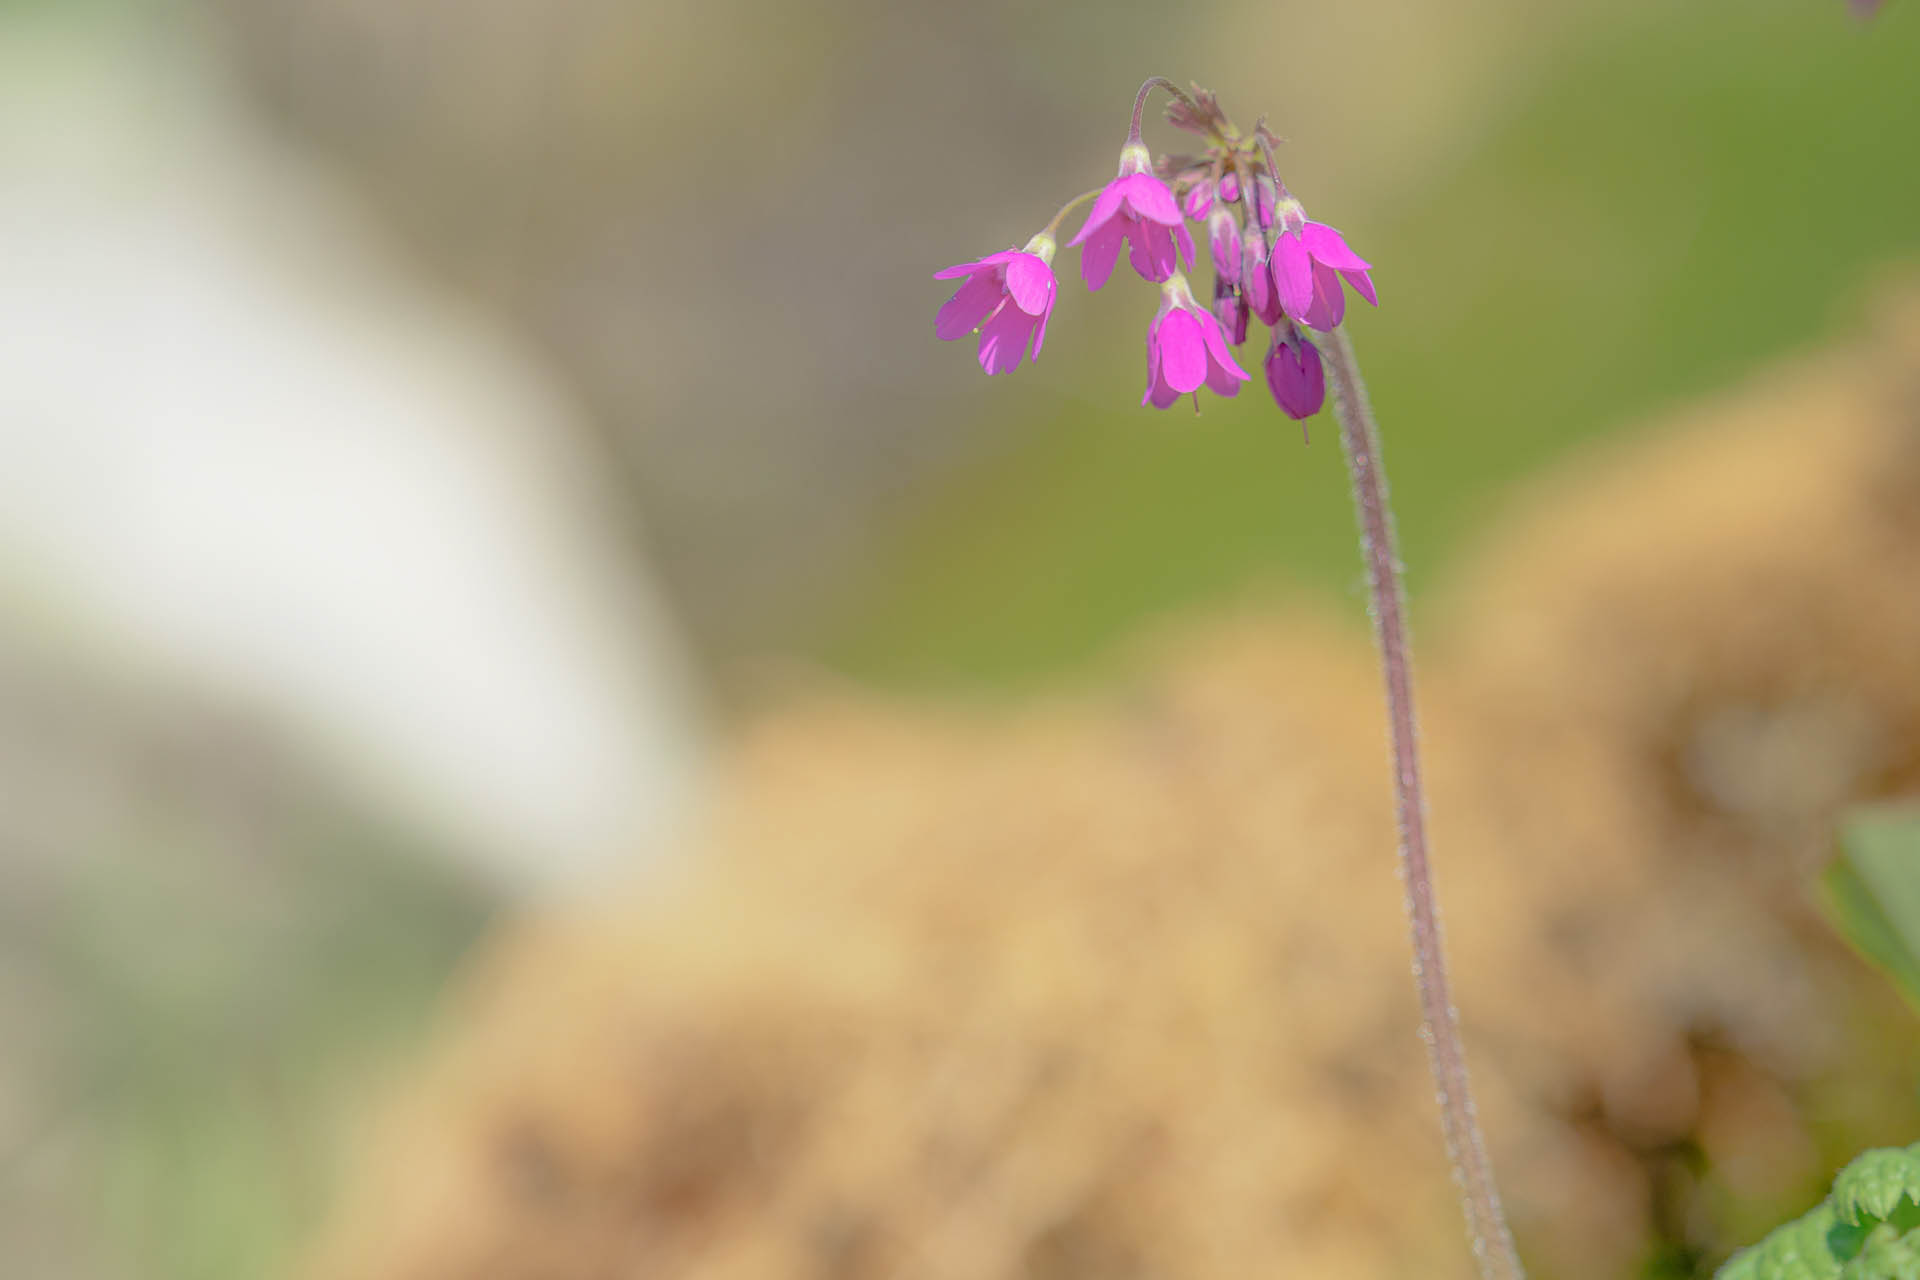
<point>1185,350</point>
<point>1007,297</point>
<point>1309,261</point>
<point>1138,208</point>
<point>1294,373</point>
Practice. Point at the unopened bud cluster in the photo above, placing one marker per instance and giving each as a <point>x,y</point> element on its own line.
<point>1270,263</point>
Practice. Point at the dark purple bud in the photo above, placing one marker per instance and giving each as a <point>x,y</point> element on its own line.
<point>1230,309</point>
<point>1294,373</point>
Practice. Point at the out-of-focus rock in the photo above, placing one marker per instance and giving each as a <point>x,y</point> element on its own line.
<point>1116,985</point>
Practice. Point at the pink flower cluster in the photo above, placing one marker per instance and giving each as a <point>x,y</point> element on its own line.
<point>1270,263</point>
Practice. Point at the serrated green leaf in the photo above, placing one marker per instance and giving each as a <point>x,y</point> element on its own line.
<point>1847,1236</point>
<point>1801,1250</point>
<point>1887,1257</point>
<point>1873,1186</point>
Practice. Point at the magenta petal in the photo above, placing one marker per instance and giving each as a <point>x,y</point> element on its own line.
<point>1363,285</point>
<point>1104,207</point>
<point>955,272</point>
<point>1223,369</point>
<point>1149,198</point>
<point>1158,393</point>
<point>1030,283</point>
<point>964,311</point>
<point>1187,244</point>
<point>1293,274</point>
<point>1003,339</point>
<point>1329,246</point>
<point>1097,258</point>
<point>1152,251</point>
<point>1039,334</point>
<point>1329,299</point>
<point>1183,351</point>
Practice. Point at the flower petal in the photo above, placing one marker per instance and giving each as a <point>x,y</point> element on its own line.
<point>1097,258</point>
<point>1185,240</point>
<point>1151,251</point>
<point>1363,285</point>
<point>955,272</point>
<point>1149,198</point>
<point>1293,274</point>
<point>1104,207</point>
<point>1183,350</point>
<point>1030,283</point>
<point>1224,373</point>
<point>1003,339</point>
<point>1329,246</point>
<point>963,312</point>
<point>1329,298</point>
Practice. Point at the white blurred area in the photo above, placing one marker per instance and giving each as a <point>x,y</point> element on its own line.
<point>246,451</point>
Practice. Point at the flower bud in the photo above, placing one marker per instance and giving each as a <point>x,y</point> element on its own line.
<point>1265,199</point>
<point>1223,238</point>
<point>1256,278</point>
<point>1198,199</point>
<point>1295,374</point>
<point>1230,309</point>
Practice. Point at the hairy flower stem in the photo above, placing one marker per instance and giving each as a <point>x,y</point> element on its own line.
<point>1439,1025</point>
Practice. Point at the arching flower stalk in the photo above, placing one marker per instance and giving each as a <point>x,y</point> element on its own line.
<point>1272,263</point>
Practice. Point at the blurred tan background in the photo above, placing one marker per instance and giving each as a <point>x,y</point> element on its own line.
<point>434,437</point>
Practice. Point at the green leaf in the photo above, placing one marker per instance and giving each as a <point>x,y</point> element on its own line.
<point>1873,1186</point>
<point>1867,1229</point>
<point>1887,1257</point>
<point>1873,891</point>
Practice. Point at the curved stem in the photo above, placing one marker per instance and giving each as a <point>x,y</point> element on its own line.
<point>1140,101</point>
<point>1053,228</point>
<point>1440,1026</point>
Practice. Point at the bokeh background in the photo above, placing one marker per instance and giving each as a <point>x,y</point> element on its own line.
<point>432,435</point>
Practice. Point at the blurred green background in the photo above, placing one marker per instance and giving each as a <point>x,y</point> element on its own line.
<point>717,224</point>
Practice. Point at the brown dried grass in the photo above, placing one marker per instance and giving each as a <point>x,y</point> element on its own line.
<point>1115,985</point>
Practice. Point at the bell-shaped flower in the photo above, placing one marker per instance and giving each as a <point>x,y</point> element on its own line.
<point>1136,207</point>
<point>1007,297</point>
<point>1185,350</point>
<point>1310,259</point>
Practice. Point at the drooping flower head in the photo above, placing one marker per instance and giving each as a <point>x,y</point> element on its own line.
<point>1270,261</point>
<point>1295,374</point>
<point>1309,261</point>
<point>1136,207</point>
<point>1007,297</point>
<point>1185,350</point>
